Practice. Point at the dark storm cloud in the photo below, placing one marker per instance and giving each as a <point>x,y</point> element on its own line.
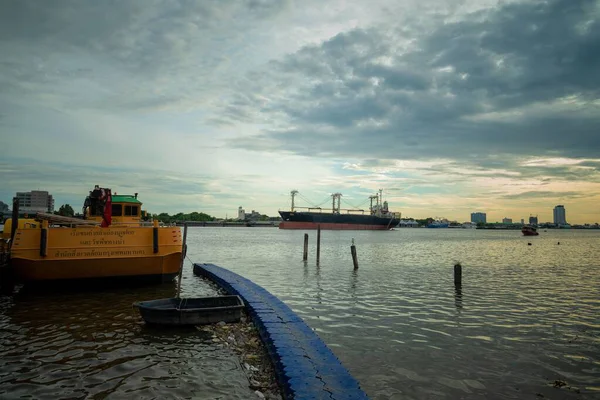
<point>521,79</point>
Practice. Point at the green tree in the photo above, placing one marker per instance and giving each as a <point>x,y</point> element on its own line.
<point>163,217</point>
<point>178,217</point>
<point>66,210</point>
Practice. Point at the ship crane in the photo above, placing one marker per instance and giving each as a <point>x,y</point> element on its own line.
<point>376,198</point>
<point>334,197</point>
<point>293,193</point>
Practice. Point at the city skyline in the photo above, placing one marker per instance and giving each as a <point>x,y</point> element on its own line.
<point>449,107</point>
<point>476,216</point>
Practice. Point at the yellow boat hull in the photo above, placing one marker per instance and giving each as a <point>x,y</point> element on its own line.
<point>94,252</point>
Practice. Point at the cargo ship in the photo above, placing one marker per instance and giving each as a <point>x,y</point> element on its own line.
<point>378,217</point>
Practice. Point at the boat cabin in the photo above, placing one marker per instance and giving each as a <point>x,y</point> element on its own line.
<point>125,209</point>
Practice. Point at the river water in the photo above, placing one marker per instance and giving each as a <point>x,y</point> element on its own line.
<point>525,321</point>
<point>525,315</point>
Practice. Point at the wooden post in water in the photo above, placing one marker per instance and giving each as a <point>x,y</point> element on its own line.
<point>318,242</point>
<point>183,253</point>
<point>305,254</point>
<point>354,257</point>
<point>457,274</point>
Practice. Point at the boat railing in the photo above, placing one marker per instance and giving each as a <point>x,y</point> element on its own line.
<point>135,224</point>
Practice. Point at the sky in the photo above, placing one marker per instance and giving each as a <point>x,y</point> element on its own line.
<point>449,106</point>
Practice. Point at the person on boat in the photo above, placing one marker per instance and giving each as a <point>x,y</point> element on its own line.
<point>98,200</point>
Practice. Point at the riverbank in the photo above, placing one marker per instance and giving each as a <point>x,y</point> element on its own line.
<point>243,339</point>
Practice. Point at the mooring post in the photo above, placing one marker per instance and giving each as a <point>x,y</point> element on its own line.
<point>183,254</point>
<point>353,252</point>
<point>457,274</point>
<point>44,239</point>
<point>305,254</point>
<point>318,242</point>
<point>15,219</point>
<point>155,236</point>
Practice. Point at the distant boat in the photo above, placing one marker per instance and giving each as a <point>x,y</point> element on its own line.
<point>438,224</point>
<point>529,231</point>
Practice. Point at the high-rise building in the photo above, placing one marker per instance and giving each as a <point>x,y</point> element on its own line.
<point>477,217</point>
<point>560,217</point>
<point>507,220</point>
<point>35,201</point>
<point>533,220</point>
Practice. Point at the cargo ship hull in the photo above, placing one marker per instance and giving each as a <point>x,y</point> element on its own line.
<point>329,221</point>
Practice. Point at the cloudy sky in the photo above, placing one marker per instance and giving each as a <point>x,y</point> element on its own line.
<point>449,106</point>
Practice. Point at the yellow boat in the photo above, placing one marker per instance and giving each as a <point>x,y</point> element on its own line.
<point>111,241</point>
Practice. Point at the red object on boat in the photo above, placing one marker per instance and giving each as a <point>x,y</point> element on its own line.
<point>107,215</point>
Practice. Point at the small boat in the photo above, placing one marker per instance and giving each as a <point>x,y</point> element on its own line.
<point>191,311</point>
<point>111,240</point>
<point>529,231</point>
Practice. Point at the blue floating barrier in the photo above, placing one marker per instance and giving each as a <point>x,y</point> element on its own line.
<point>305,367</point>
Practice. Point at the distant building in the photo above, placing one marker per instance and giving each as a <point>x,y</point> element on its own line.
<point>507,220</point>
<point>522,221</point>
<point>533,220</point>
<point>241,213</point>
<point>35,201</point>
<point>560,217</point>
<point>243,216</point>
<point>254,215</point>
<point>477,217</point>
<point>408,223</point>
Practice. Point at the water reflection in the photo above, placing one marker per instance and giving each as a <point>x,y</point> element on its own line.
<point>93,343</point>
<point>353,284</point>
<point>319,287</point>
<point>458,296</point>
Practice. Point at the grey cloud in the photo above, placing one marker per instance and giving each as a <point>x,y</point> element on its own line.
<point>510,167</point>
<point>434,98</point>
<point>543,195</point>
<point>25,174</point>
<point>591,164</point>
<point>129,51</point>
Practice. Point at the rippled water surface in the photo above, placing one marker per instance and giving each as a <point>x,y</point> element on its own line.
<point>524,317</point>
<point>93,344</point>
